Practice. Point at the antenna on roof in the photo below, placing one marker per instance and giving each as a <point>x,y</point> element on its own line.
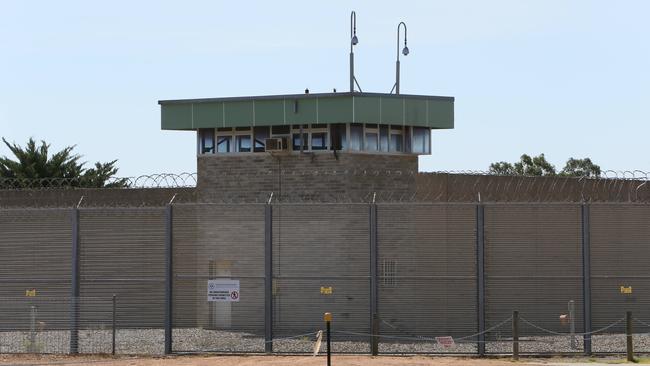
<point>353,42</point>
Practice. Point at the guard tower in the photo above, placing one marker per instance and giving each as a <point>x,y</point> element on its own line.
<point>308,144</point>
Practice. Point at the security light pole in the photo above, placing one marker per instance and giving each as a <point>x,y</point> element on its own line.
<point>353,41</point>
<point>405,51</point>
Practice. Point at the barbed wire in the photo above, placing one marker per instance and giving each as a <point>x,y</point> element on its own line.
<point>378,187</point>
<point>367,186</point>
<point>162,180</point>
<point>185,179</point>
<point>605,174</point>
<point>495,188</point>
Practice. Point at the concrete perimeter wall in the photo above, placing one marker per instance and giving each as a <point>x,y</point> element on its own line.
<point>62,197</point>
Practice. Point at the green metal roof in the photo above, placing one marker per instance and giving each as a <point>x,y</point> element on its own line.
<point>410,110</point>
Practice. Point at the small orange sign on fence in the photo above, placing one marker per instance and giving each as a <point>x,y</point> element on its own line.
<point>626,290</point>
<point>30,292</point>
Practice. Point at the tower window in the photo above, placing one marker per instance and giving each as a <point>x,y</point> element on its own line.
<point>356,136</point>
<point>243,143</point>
<point>261,134</point>
<point>224,144</point>
<point>206,141</point>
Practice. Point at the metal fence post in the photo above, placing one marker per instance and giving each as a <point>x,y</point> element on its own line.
<point>32,329</point>
<point>74,278</point>
<point>572,323</point>
<point>515,335</point>
<point>480,278</point>
<point>268,278</point>
<point>114,323</point>
<point>374,287</point>
<point>168,278</point>
<point>628,336</point>
<point>586,277</point>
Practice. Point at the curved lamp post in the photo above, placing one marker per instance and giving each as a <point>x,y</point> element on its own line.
<point>405,52</point>
<point>353,42</point>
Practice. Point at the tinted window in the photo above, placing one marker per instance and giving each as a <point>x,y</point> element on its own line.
<point>261,134</point>
<point>371,141</point>
<point>383,138</point>
<point>207,141</point>
<point>396,142</point>
<point>297,141</point>
<point>420,140</point>
<point>243,143</point>
<point>223,144</point>
<point>319,141</point>
<point>356,136</point>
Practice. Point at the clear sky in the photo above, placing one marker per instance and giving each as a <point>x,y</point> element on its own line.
<point>566,78</point>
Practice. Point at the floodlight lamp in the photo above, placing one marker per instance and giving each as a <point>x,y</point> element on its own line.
<point>355,40</point>
<point>405,51</point>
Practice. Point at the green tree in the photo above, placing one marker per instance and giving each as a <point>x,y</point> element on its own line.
<point>581,168</point>
<point>538,166</point>
<point>532,166</point>
<point>502,168</point>
<point>34,162</point>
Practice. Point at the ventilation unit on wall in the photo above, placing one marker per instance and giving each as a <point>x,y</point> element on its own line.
<point>275,144</point>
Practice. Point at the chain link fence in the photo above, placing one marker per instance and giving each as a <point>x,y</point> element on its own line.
<point>397,277</point>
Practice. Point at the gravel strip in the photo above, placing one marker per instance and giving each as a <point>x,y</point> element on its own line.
<point>151,342</point>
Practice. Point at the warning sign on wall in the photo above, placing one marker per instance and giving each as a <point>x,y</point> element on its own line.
<point>223,290</point>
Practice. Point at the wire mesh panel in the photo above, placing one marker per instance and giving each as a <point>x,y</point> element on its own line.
<point>38,325</point>
<point>533,264</point>
<point>35,258</point>
<point>122,252</point>
<point>321,263</point>
<point>42,325</point>
<point>620,253</point>
<point>218,245</point>
<point>427,277</point>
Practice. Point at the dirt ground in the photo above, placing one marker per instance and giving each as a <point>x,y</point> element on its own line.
<point>280,361</point>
